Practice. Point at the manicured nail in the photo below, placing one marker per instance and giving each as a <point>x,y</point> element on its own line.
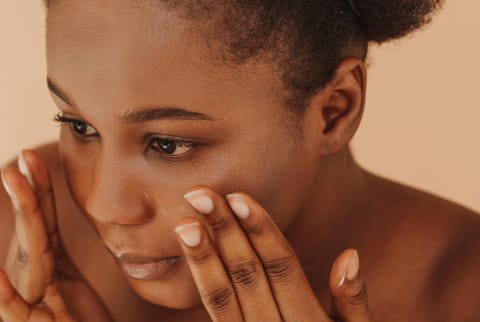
<point>13,198</point>
<point>238,205</point>
<point>353,267</point>
<point>342,280</point>
<point>5,186</point>
<point>22,166</point>
<point>201,201</point>
<point>190,234</point>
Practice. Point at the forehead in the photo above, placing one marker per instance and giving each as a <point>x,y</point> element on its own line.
<point>136,52</point>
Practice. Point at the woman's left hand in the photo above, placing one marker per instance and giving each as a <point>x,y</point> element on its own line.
<point>249,272</point>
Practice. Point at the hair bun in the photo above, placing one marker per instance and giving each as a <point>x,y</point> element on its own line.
<point>385,20</point>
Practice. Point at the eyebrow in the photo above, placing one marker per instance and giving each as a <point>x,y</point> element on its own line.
<point>143,114</point>
<point>58,92</point>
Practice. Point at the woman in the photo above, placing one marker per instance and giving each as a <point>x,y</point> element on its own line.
<point>207,144</point>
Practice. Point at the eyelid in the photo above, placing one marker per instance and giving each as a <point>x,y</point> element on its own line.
<point>66,120</point>
<point>192,144</point>
<point>182,157</point>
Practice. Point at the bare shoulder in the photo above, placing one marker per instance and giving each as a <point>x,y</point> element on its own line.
<point>456,278</point>
<point>50,154</point>
<point>436,245</point>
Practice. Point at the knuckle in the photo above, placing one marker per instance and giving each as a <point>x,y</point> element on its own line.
<point>256,228</point>
<point>245,275</point>
<point>202,257</point>
<point>279,269</point>
<point>359,296</point>
<point>220,223</point>
<point>22,257</point>
<point>218,300</point>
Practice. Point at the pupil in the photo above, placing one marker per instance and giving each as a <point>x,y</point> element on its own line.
<point>80,127</point>
<point>168,146</point>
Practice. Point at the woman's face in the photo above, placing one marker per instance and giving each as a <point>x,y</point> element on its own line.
<point>130,82</point>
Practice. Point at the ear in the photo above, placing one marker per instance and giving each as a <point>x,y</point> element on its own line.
<point>334,114</point>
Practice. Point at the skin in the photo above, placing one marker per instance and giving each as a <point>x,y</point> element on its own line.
<point>310,185</point>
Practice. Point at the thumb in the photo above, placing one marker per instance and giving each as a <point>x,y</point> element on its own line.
<point>347,288</point>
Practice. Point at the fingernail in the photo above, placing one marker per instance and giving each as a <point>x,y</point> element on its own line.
<point>201,201</point>
<point>5,185</point>
<point>238,205</point>
<point>342,280</point>
<point>13,198</point>
<point>353,267</point>
<point>190,234</point>
<point>22,166</point>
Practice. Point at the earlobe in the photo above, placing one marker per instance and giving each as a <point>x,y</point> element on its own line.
<point>338,108</point>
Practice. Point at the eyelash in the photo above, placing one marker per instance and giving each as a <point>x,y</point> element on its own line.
<point>63,120</point>
<point>151,139</point>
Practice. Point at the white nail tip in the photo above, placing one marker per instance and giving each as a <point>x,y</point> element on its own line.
<point>342,280</point>
<point>239,206</point>
<point>190,234</point>
<point>201,201</point>
<point>22,166</point>
<point>13,198</point>
<point>5,185</point>
<point>194,193</point>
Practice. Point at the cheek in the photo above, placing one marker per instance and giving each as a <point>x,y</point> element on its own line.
<point>276,176</point>
<point>281,187</point>
<point>273,174</point>
<point>77,168</point>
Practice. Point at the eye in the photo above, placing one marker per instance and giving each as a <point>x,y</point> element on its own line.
<point>171,147</point>
<point>79,128</point>
<point>82,128</point>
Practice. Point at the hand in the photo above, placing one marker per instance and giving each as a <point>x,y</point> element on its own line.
<point>37,262</point>
<point>250,272</point>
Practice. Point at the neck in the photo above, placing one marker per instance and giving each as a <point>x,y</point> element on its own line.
<point>327,220</point>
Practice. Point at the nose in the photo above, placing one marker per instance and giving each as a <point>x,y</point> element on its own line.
<point>116,195</point>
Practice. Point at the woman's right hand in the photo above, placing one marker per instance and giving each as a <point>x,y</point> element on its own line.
<point>37,263</point>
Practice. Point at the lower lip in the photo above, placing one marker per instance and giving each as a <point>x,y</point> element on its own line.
<point>149,271</point>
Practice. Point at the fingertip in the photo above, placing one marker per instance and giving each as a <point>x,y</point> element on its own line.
<point>37,168</point>
<point>353,266</point>
<point>345,268</point>
<point>190,233</point>
<point>24,169</point>
<point>5,183</point>
<point>10,185</point>
<point>349,296</point>
<point>18,188</point>
<point>239,205</point>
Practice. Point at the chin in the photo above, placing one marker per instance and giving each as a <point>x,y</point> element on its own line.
<point>177,290</point>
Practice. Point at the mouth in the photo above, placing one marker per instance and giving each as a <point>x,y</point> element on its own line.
<point>147,268</point>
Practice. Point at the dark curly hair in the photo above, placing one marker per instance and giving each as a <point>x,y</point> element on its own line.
<point>306,39</point>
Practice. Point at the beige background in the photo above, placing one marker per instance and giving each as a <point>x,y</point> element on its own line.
<point>422,124</point>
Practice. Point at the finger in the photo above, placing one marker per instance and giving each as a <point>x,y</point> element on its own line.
<point>349,295</point>
<point>239,258</point>
<point>32,166</point>
<point>13,308</point>
<point>288,282</point>
<point>213,284</point>
<point>35,170</point>
<point>34,264</point>
<point>54,300</point>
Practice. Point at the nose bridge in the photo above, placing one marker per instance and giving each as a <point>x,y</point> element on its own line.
<point>116,195</point>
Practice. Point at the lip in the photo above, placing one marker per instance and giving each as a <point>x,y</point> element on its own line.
<point>147,268</point>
